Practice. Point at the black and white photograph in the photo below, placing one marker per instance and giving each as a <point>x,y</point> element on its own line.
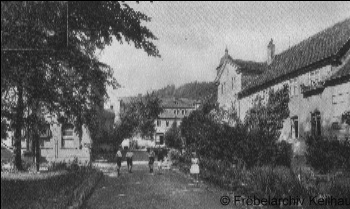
<point>174,104</point>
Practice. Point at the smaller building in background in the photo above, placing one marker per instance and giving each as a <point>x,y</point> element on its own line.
<point>175,109</point>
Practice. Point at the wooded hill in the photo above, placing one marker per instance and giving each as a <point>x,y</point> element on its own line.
<point>195,90</point>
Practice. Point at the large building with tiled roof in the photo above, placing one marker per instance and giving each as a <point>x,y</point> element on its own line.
<point>317,71</point>
<point>174,110</point>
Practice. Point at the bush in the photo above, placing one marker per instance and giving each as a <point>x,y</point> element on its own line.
<point>50,189</point>
<point>276,182</point>
<point>174,155</point>
<point>284,154</point>
<point>173,137</point>
<point>326,155</point>
<point>340,187</point>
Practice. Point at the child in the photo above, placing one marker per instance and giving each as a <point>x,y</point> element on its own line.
<point>129,156</point>
<point>160,159</point>
<point>119,160</point>
<point>195,167</point>
<point>151,156</point>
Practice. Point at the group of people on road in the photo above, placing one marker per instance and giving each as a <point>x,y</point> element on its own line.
<point>194,170</point>
<point>151,157</point>
<point>129,154</point>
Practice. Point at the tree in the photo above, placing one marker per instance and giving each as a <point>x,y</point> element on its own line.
<point>48,62</point>
<point>346,117</point>
<point>263,123</point>
<point>173,137</point>
<point>3,129</point>
<point>139,116</point>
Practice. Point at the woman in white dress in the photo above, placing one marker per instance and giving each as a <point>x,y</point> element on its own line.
<point>195,167</point>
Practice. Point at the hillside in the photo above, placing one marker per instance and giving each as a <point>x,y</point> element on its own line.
<point>194,90</point>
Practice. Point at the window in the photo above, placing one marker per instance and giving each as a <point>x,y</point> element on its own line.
<point>316,123</point>
<point>293,87</point>
<point>336,126</point>
<point>167,123</point>
<point>159,123</point>
<point>174,112</point>
<point>339,98</point>
<point>295,127</point>
<point>45,134</point>
<point>183,112</point>
<point>232,82</point>
<point>68,135</point>
<point>68,130</point>
<point>161,139</point>
<point>314,77</point>
<point>175,123</point>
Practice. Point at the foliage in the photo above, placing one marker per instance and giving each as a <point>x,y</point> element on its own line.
<point>263,124</point>
<point>284,154</point>
<point>4,128</point>
<point>268,119</point>
<point>174,156</point>
<point>173,137</point>
<point>138,117</point>
<point>278,182</point>
<point>218,134</point>
<point>24,188</point>
<point>36,46</point>
<point>326,155</point>
<point>224,116</point>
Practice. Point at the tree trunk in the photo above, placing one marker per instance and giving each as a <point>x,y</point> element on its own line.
<point>36,134</point>
<point>18,128</point>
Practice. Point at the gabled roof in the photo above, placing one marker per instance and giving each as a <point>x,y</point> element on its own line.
<point>243,66</point>
<point>323,48</point>
<point>178,103</point>
<point>327,45</point>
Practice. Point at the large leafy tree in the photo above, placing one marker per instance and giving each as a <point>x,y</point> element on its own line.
<point>48,58</point>
<point>138,117</point>
<point>173,137</point>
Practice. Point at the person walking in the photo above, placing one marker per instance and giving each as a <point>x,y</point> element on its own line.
<point>194,170</point>
<point>160,158</point>
<point>151,156</point>
<point>119,156</point>
<point>129,155</point>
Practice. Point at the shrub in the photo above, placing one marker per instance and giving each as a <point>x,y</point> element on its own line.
<point>173,137</point>
<point>340,187</point>
<point>276,182</point>
<point>56,166</point>
<point>327,155</point>
<point>174,155</point>
<point>284,154</point>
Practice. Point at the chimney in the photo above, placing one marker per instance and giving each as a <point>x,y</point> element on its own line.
<point>226,51</point>
<point>270,52</point>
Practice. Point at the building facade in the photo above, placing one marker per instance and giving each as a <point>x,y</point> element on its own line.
<point>175,109</point>
<point>60,141</point>
<point>317,71</point>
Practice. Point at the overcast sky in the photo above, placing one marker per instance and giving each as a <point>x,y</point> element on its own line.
<point>193,37</point>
